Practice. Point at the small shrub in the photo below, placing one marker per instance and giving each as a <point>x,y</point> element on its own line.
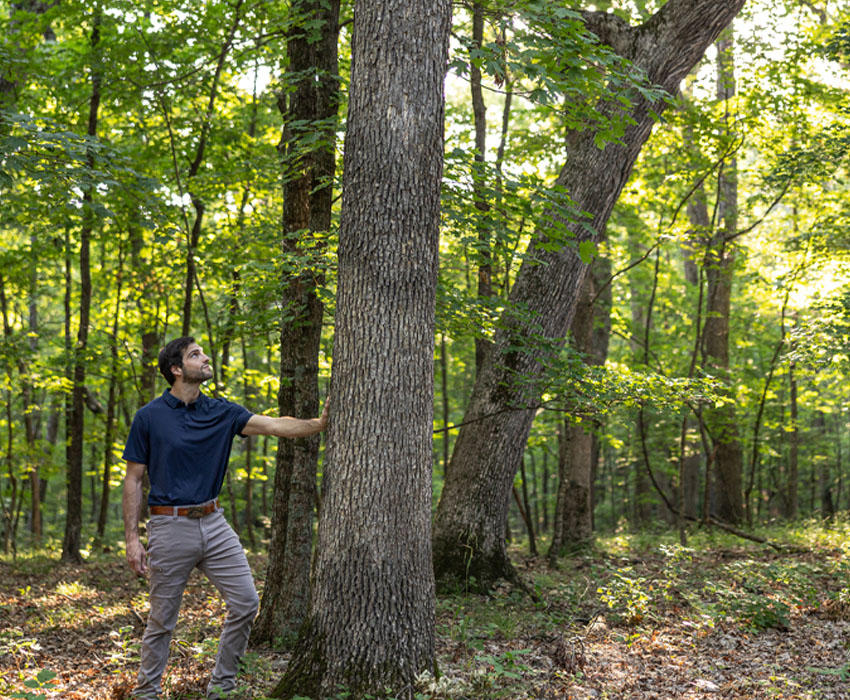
<point>626,596</point>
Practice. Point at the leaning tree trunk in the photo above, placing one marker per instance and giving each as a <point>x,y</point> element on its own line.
<point>577,451</point>
<point>470,522</point>
<point>75,418</point>
<point>308,201</point>
<point>371,620</point>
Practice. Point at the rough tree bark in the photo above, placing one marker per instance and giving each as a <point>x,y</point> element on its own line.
<point>370,624</point>
<point>470,522</point>
<point>308,199</point>
<point>589,332</point>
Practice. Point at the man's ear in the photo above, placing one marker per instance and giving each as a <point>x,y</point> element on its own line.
<point>177,370</point>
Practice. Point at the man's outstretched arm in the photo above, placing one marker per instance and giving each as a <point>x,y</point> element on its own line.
<point>285,426</point>
<point>132,502</point>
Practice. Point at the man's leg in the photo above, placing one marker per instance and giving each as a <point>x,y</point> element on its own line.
<point>226,566</point>
<point>173,547</point>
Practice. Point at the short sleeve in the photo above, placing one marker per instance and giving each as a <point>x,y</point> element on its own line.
<point>241,416</point>
<point>137,448</point>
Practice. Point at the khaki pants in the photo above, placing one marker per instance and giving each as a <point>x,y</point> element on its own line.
<point>176,545</point>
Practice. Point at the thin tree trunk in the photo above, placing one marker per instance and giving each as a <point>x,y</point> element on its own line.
<point>75,420</point>
<point>197,203</point>
<point>544,504</point>
<point>641,513</point>
<point>111,403</point>
<point>526,511</point>
<point>308,199</point>
<point>824,473</point>
<point>839,466</point>
<point>590,332</point>
<point>444,386</point>
<point>8,506</point>
<point>534,496</point>
<point>479,115</point>
<point>10,85</point>
<point>32,415</point>
<point>376,505</point>
<point>793,499</point>
<point>757,426</point>
<point>719,263</point>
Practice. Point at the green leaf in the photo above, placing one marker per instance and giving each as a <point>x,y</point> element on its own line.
<point>46,675</point>
<point>586,251</point>
<point>600,140</point>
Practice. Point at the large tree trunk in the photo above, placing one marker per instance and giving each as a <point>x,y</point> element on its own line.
<point>470,521</point>
<point>308,200</point>
<point>75,419</point>
<point>371,620</point>
<point>576,463</point>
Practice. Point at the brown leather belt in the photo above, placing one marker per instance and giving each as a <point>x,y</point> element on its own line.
<point>187,511</point>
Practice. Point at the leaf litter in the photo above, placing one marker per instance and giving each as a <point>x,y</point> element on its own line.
<point>585,635</point>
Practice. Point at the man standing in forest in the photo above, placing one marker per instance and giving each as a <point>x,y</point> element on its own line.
<point>183,438</point>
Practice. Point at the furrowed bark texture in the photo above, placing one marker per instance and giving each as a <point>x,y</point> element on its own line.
<point>308,201</point>
<point>470,522</point>
<point>371,620</point>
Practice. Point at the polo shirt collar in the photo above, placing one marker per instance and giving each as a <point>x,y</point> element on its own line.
<point>174,402</point>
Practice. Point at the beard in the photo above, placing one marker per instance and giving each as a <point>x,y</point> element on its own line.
<point>197,376</point>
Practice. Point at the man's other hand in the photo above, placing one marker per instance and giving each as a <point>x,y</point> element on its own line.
<point>137,557</point>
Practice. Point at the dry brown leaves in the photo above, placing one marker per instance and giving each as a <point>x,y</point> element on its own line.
<point>85,623</point>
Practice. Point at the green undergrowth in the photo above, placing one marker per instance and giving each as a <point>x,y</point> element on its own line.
<point>509,643</point>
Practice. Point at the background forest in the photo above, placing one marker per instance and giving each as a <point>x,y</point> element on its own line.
<point>165,171</point>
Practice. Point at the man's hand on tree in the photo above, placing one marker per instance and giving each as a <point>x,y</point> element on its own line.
<point>323,419</point>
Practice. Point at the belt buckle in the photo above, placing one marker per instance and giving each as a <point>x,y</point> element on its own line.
<point>195,512</point>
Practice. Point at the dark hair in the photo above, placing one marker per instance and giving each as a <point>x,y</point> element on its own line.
<point>171,355</point>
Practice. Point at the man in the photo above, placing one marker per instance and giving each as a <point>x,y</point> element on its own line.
<point>183,438</point>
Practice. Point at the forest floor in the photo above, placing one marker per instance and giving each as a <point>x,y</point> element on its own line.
<point>637,617</point>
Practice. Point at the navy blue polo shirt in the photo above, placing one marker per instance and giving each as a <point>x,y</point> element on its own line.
<point>186,447</point>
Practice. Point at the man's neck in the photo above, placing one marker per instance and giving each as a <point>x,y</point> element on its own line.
<point>187,393</point>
